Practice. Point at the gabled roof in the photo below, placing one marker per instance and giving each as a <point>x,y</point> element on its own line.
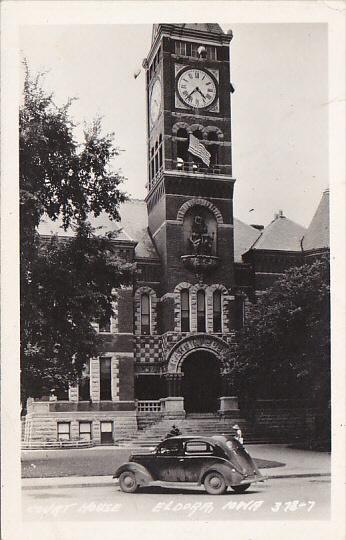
<point>244,237</point>
<point>317,235</point>
<point>281,234</point>
<point>133,227</point>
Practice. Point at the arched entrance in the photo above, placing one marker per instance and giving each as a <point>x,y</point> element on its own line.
<point>201,382</point>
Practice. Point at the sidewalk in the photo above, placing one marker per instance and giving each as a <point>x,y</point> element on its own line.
<point>298,463</point>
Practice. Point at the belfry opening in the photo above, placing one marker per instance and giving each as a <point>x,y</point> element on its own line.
<point>201,383</point>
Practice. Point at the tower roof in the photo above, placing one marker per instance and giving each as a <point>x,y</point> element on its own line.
<point>194,30</point>
<point>317,235</point>
<point>281,234</point>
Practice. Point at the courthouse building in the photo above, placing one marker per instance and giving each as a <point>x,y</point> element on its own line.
<point>166,350</point>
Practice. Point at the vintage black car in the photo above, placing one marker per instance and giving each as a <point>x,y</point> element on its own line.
<point>217,462</point>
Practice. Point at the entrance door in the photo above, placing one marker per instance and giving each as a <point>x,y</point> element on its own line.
<point>106,432</point>
<point>201,382</point>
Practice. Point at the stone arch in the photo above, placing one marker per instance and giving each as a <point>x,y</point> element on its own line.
<point>209,129</point>
<point>195,127</point>
<point>217,287</point>
<point>190,344</point>
<point>199,202</point>
<point>182,285</point>
<point>153,309</point>
<point>180,125</point>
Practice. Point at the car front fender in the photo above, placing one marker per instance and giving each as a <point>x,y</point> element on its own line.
<point>232,477</point>
<point>143,476</point>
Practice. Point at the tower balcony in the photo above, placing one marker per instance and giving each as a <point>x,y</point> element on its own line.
<point>200,264</point>
<point>199,168</point>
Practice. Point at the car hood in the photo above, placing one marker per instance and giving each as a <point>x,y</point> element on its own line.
<point>137,455</point>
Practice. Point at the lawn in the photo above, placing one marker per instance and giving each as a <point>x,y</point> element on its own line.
<point>98,461</point>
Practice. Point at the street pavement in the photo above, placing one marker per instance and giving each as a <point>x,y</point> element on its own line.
<point>297,489</point>
<point>276,499</point>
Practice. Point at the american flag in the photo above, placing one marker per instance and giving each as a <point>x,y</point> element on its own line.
<point>197,149</point>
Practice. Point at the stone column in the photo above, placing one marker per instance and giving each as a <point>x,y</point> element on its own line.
<point>173,403</point>
<point>73,393</point>
<point>115,378</point>
<point>95,379</point>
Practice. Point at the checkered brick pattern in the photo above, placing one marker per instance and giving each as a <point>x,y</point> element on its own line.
<point>148,349</point>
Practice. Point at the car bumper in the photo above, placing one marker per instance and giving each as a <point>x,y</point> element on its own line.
<point>253,479</point>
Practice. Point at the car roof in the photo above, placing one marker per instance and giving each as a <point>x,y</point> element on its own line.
<point>211,439</point>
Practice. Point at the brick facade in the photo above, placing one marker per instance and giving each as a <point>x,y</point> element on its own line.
<point>169,260</point>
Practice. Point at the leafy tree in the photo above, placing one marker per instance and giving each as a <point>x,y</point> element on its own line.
<point>65,285</point>
<point>284,348</point>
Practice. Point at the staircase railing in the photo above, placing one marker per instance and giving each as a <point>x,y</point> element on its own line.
<point>149,405</point>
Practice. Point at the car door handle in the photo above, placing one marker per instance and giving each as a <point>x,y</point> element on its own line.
<point>181,459</point>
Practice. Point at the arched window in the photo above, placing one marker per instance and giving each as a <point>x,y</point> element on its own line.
<point>185,310</point>
<point>197,133</point>
<point>217,311</point>
<point>213,148</point>
<point>182,145</point>
<point>200,311</point>
<point>145,314</point>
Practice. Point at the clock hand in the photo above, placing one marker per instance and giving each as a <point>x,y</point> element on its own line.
<point>203,96</point>
<point>194,90</point>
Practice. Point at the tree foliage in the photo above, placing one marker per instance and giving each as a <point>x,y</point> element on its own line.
<point>65,285</point>
<point>284,348</point>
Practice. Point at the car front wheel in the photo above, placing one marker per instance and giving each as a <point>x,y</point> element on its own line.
<point>240,489</point>
<point>128,482</point>
<point>215,484</point>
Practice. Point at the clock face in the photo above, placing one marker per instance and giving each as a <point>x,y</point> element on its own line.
<point>197,88</point>
<point>155,101</point>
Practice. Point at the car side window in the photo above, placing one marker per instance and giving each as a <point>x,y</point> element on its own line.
<point>169,448</point>
<point>198,447</point>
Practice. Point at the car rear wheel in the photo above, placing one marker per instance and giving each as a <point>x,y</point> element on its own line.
<point>128,482</point>
<point>240,489</point>
<point>215,484</point>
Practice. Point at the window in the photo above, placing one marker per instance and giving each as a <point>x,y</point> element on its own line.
<point>200,311</point>
<point>85,431</point>
<point>185,310</point>
<point>211,53</point>
<point>182,145</point>
<point>198,447</point>
<point>145,314</point>
<point>180,48</point>
<point>106,432</point>
<point>105,325</point>
<point>105,379</point>
<point>170,448</point>
<point>217,312</point>
<point>239,312</point>
<point>84,383</point>
<point>63,431</point>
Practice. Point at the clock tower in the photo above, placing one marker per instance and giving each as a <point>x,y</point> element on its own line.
<point>190,183</point>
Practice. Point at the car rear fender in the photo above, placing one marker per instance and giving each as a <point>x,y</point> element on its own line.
<point>231,477</point>
<point>143,476</point>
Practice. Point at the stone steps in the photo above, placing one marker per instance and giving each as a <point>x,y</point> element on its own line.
<point>206,425</point>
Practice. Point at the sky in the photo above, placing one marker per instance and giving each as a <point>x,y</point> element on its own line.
<point>279,107</point>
